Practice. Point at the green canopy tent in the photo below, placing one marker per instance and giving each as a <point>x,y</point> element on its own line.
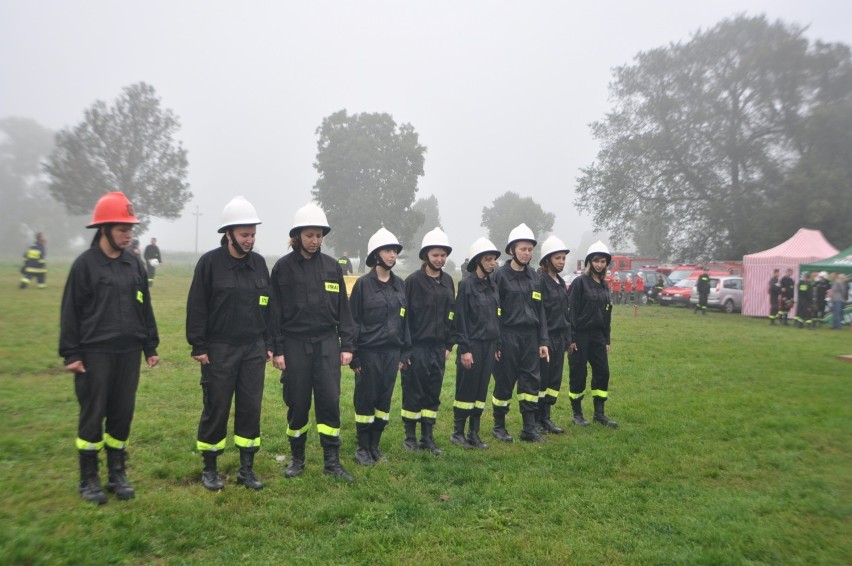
<point>840,263</point>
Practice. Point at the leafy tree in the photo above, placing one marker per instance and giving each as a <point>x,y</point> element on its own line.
<point>508,210</point>
<point>428,207</point>
<point>368,171</point>
<point>129,147</point>
<point>704,133</point>
<point>27,206</point>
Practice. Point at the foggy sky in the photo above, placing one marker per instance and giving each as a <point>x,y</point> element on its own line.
<point>501,93</point>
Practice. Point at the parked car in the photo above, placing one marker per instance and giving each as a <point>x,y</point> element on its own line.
<point>677,294</point>
<point>726,293</point>
<point>651,277</point>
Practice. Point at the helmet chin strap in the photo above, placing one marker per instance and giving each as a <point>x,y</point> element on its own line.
<point>235,245</point>
<point>108,233</point>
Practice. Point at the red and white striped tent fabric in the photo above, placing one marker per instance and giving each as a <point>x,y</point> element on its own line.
<point>806,246</point>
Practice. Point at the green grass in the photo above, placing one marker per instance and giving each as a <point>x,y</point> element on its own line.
<point>734,448</point>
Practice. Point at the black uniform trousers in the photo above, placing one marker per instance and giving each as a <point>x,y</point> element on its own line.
<point>519,364</point>
<point>313,368</point>
<point>422,382</point>
<point>235,372</point>
<point>472,384</point>
<point>374,388</point>
<point>106,391</point>
<point>773,305</point>
<point>702,300</point>
<point>551,372</point>
<point>591,350</point>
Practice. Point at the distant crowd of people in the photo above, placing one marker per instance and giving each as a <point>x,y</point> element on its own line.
<point>810,298</point>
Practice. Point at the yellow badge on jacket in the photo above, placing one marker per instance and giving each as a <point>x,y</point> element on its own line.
<point>264,300</point>
<point>140,297</point>
<point>536,296</point>
<point>332,287</point>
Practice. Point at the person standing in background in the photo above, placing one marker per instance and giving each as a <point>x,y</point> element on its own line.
<point>106,325</point>
<point>774,290</point>
<point>35,264</point>
<point>153,259</point>
<point>345,263</point>
<point>788,290</point>
<point>227,319</point>
<point>839,296</point>
<point>821,289</point>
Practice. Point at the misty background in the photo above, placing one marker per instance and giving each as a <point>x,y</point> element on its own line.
<point>501,93</point>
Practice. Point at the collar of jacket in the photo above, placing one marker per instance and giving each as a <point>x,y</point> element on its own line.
<point>373,274</point>
<point>104,259</point>
<point>441,277</point>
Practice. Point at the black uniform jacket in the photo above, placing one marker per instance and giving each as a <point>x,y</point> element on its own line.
<point>554,296</point>
<point>228,300</point>
<point>788,287</point>
<point>310,302</point>
<point>431,308</point>
<point>520,301</point>
<point>590,306</point>
<point>703,284</point>
<point>477,305</point>
<point>379,310</point>
<point>106,307</point>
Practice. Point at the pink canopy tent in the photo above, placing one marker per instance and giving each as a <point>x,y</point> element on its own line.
<point>806,246</point>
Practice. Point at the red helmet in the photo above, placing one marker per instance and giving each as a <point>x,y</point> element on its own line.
<point>113,208</point>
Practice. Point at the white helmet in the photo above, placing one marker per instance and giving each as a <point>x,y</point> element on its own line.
<point>310,216</point>
<point>383,238</point>
<point>823,274</point>
<point>238,212</point>
<point>434,238</point>
<point>154,262</point>
<point>598,248</point>
<point>520,232</point>
<point>480,247</point>
<point>551,246</point>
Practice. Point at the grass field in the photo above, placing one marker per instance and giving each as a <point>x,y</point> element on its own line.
<point>735,447</point>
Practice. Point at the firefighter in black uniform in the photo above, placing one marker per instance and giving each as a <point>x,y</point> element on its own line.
<point>35,264</point>
<point>477,332</point>
<point>227,315</point>
<point>591,317</point>
<point>430,293</point>
<point>788,290</point>
<point>703,288</point>
<point>313,335</point>
<point>523,337</point>
<point>382,343</point>
<point>554,297</point>
<point>107,323</point>
<point>821,289</point>
<point>153,259</point>
<point>345,263</point>
<point>774,290</point>
<point>805,303</point>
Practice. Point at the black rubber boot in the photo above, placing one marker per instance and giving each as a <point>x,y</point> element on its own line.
<point>539,418</point>
<point>410,442</point>
<point>473,432</point>
<point>529,432</point>
<point>363,456</point>
<point>332,466</point>
<point>297,459</point>
<point>245,475</point>
<point>117,478</point>
<point>210,477</point>
<point>500,432</point>
<point>90,483</point>
<point>375,439</point>
<point>548,424</point>
<point>427,442</point>
<point>459,420</point>
<point>577,409</point>
<point>599,416</point>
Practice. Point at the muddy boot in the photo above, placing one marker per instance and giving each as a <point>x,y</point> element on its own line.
<point>427,442</point>
<point>245,475</point>
<point>548,424</point>
<point>363,456</point>
<point>297,458</point>
<point>410,442</point>
<point>332,466</point>
<point>375,439</point>
<point>577,409</point>
<point>599,416</point>
<point>457,437</point>
<point>500,432</point>
<point>210,476</point>
<point>473,433</point>
<point>90,483</point>
<point>529,432</point>
<point>117,479</point>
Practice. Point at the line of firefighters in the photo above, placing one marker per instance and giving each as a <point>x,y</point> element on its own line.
<point>812,294</point>
<point>511,322</point>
